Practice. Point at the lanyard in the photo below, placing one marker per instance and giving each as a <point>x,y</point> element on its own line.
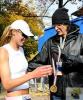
<point>57,71</point>
<point>62,42</point>
<point>59,55</point>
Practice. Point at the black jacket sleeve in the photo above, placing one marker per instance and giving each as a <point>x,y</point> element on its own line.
<point>40,59</point>
<point>72,63</point>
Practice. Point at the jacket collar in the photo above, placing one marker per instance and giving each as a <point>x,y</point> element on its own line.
<point>73,31</point>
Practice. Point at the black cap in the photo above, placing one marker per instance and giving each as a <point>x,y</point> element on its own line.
<point>60,16</point>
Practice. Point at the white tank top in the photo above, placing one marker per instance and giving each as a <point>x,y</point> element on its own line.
<point>17,64</point>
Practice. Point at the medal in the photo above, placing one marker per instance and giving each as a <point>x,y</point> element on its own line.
<point>53,88</point>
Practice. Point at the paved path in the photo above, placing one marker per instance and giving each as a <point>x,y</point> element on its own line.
<point>34,95</point>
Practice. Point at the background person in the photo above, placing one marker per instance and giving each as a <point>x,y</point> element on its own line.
<point>67,47</point>
<point>13,64</point>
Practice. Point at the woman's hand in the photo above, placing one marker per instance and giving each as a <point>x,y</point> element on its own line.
<point>42,71</point>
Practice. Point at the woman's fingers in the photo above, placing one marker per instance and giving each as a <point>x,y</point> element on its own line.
<point>43,71</point>
<point>47,69</point>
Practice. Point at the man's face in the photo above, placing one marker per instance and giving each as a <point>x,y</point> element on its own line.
<point>61,29</point>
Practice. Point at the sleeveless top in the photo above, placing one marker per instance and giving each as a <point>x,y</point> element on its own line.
<point>17,65</point>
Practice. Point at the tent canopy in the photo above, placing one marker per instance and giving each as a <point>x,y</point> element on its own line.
<point>51,32</point>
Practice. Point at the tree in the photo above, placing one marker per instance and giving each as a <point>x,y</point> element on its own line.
<point>30,46</point>
<point>20,11</point>
<point>42,6</point>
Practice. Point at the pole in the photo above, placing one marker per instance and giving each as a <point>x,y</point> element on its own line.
<point>60,4</point>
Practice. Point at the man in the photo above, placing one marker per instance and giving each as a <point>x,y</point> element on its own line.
<point>66,50</point>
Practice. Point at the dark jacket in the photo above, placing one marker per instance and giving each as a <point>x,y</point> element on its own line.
<point>72,60</point>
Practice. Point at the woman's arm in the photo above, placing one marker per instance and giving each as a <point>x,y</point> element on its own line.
<point>9,83</point>
<point>0,75</point>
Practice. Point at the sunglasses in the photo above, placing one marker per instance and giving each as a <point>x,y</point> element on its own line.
<point>25,36</point>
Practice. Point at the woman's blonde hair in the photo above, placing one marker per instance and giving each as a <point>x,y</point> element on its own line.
<point>6,36</point>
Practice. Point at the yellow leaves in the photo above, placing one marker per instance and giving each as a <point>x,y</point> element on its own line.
<point>9,18</point>
<point>36,28</point>
<point>1,19</point>
<point>21,11</point>
<point>14,17</point>
<point>34,22</point>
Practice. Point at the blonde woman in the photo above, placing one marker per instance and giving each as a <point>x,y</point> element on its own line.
<point>13,64</point>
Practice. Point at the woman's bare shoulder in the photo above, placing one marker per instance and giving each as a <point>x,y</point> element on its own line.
<point>3,52</point>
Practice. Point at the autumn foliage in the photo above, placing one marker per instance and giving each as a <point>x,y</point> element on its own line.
<point>20,11</point>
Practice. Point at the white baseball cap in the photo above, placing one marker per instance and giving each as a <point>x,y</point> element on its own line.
<point>21,25</point>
